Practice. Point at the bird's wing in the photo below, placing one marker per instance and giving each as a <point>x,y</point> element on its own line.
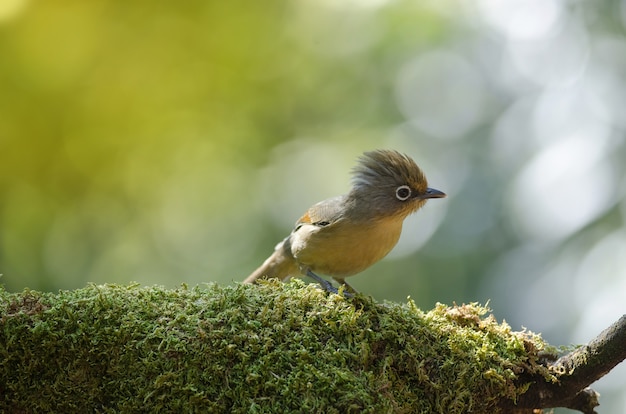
<point>323,213</point>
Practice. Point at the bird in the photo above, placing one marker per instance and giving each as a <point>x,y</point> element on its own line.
<point>344,235</point>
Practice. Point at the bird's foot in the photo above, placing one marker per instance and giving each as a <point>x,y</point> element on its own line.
<point>327,286</point>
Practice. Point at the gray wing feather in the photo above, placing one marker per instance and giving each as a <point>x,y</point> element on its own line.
<point>323,213</point>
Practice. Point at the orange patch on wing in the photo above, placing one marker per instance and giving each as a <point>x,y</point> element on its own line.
<point>305,218</point>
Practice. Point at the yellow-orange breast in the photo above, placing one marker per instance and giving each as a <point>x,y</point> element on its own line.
<point>342,249</point>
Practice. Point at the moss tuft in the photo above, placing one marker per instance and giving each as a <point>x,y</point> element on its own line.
<point>273,347</point>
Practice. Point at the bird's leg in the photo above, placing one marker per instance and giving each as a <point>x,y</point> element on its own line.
<point>347,286</point>
<point>326,285</point>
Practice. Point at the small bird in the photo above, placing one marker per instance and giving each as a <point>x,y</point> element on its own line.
<point>344,235</point>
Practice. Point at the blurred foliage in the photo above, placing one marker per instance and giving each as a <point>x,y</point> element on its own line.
<point>166,143</point>
<point>131,133</point>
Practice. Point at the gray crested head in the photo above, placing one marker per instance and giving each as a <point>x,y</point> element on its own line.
<point>388,183</point>
<point>388,168</point>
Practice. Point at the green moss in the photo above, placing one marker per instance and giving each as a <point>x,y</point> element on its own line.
<point>268,348</point>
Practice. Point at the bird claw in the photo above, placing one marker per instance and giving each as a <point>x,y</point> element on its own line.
<point>327,286</point>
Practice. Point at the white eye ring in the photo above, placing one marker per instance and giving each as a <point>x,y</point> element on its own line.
<point>403,192</point>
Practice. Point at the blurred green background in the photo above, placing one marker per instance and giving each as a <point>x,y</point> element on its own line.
<point>168,143</point>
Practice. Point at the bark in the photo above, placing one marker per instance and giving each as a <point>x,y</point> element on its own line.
<point>575,371</point>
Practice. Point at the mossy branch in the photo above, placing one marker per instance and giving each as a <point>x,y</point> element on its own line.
<point>577,370</point>
<point>268,348</point>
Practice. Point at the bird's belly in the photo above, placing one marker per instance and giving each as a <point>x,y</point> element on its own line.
<point>343,250</point>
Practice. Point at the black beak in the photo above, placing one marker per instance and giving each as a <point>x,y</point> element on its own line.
<point>432,193</point>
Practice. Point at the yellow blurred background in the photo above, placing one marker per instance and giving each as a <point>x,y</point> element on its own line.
<point>169,143</point>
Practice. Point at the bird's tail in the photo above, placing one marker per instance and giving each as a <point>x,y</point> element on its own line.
<point>279,265</point>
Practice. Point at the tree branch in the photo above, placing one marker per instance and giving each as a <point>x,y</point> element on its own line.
<point>278,347</point>
<point>575,371</point>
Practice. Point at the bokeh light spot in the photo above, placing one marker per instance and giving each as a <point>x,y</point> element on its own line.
<point>562,189</point>
<point>441,93</point>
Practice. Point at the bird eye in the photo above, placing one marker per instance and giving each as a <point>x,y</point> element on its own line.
<point>403,192</point>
